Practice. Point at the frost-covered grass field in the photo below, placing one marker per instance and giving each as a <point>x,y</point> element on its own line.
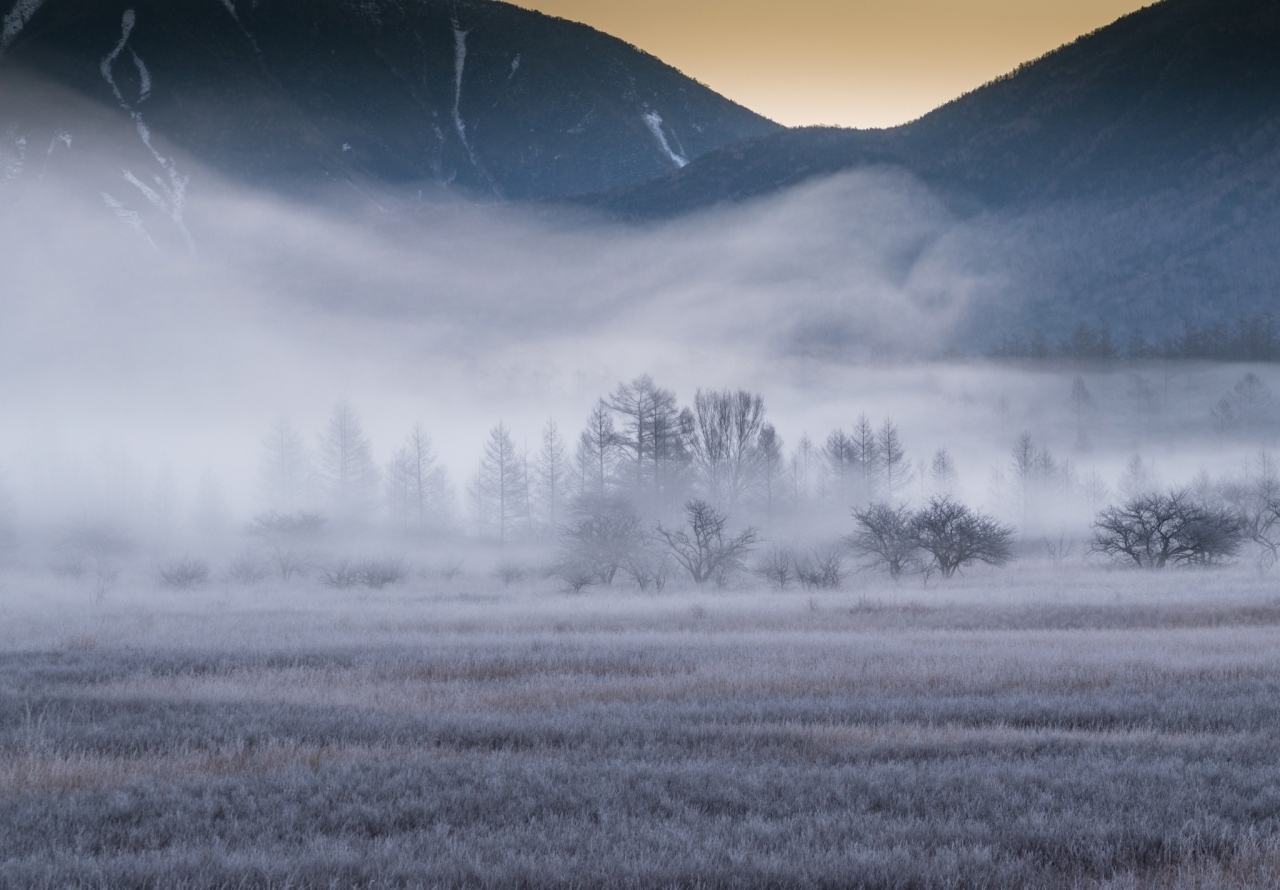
<point>1043,726</point>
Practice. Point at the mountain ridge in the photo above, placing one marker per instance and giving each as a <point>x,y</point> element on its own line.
<point>479,94</point>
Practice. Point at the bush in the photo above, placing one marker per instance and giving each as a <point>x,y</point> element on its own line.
<point>821,569</point>
<point>605,536</point>
<point>510,572</point>
<point>247,568</point>
<point>380,573</point>
<point>185,573</point>
<point>1154,531</point>
<point>777,567</point>
<point>341,576</point>
<point>372,573</point>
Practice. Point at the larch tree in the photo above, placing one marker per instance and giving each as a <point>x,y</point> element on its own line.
<point>499,486</point>
<point>770,468</point>
<point>284,472</point>
<point>597,452</point>
<point>894,470</point>
<point>864,450</point>
<point>551,476</point>
<point>418,493</point>
<point>351,478</point>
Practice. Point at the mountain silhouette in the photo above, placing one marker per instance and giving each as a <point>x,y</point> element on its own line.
<point>295,94</point>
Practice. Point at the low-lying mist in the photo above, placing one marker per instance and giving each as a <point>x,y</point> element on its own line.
<point>139,375</point>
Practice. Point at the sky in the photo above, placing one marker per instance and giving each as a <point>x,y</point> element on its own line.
<point>859,63</point>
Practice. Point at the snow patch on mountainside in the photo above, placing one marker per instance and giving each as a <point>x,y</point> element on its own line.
<point>16,20</point>
<point>170,198</point>
<point>459,68</point>
<point>15,162</point>
<point>654,122</point>
<point>130,218</point>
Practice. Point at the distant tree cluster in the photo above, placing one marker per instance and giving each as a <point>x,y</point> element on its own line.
<point>340,481</point>
<point>1249,338</point>
<point>943,536</point>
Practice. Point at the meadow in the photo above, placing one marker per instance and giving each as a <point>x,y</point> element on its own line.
<point>1049,725</point>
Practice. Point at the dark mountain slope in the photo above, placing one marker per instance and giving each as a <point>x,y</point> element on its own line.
<point>298,93</point>
<point>1177,95</point>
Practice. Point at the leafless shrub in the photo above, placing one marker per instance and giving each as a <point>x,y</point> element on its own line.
<point>511,572</point>
<point>185,573</point>
<point>379,573</point>
<point>247,568</point>
<point>342,576</point>
<point>821,569</point>
<point>1059,549</point>
<point>372,573</point>
<point>650,569</point>
<point>576,576</point>
<point>606,534</point>
<point>450,571</point>
<point>289,535</point>
<point>777,567</point>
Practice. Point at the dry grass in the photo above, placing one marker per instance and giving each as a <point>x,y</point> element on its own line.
<point>1122,731</point>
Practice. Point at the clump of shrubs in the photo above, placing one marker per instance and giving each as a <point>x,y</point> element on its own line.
<point>185,574</point>
<point>818,569</point>
<point>374,574</point>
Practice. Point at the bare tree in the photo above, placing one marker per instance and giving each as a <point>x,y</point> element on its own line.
<point>1254,402</point>
<point>291,538</point>
<point>1256,503</point>
<point>894,469</point>
<point>943,471</point>
<point>1153,531</point>
<point>702,547</point>
<point>1081,404</point>
<point>418,490</point>
<point>1139,478</point>
<point>841,467</point>
<point>777,567</point>
<point>864,449</point>
<point>8,524</point>
<point>800,475</point>
<point>551,473</point>
<point>954,536</point>
<point>604,536</point>
<point>725,443</point>
<point>769,476</point>
<point>821,568</point>
<point>885,538</point>
<point>498,488</point>
<point>350,477</point>
<point>1036,473</point>
<point>284,475</point>
<point>597,452</point>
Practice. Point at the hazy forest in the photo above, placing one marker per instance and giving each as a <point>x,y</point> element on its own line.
<point>665,647</point>
<point>443,445</point>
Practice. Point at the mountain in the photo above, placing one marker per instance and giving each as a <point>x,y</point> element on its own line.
<point>1172,96</point>
<point>1131,177</point>
<point>298,94</point>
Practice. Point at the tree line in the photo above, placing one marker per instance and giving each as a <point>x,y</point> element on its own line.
<point>1247,338</point>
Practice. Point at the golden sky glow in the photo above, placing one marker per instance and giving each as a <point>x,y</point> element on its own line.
<point>866,63</point>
